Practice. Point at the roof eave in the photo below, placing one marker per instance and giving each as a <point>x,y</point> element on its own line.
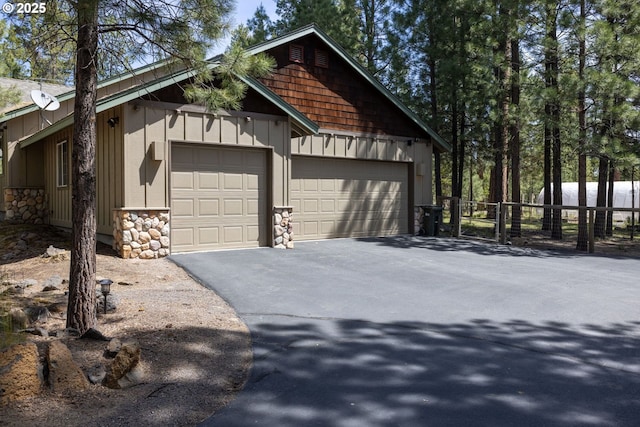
<point>313,29</point>
<point>301,123</point>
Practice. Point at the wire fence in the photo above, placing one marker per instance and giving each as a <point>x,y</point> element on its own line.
<point>604,230</point>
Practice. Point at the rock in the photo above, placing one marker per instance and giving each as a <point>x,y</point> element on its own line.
<point>38,313</point>
<point>290,244</point>
<point>57,307</point>
<point>285,214</point>
<point>19,319</point>
<point>277,218</point>
<point>113,347</point>
<point>29,236</point>
<point>279,240</point>
<point>279,230</point>
<point>155,234</point>
<point>53,283</point>
<point>55,253</point>
<point>21,245</point>
<point>145,237</point>
<point>148,254</point>
<point>64,373</point>
<point>154,245</point>
<point>41,332</point>
<point>126,237</point>
<point>125,284</point>
<point>23,284</point>
<point>280,246</point>
<point>164,252</point>
<point>67,332</point>
<point>20,373</point>
<point>98,376</point>
<point>112,302</point>
<point>164,241</point>
<point>127,358</point>
<point>94,334</point>
<point>133,377</point>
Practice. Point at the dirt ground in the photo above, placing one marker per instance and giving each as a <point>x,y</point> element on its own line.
<point>195,351</point>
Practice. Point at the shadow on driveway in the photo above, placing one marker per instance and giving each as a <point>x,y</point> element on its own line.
<point>336,372</point>
<point>450,244</point>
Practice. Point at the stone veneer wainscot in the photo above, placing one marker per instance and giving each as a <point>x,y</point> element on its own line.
<point>25,205</point>
<point>283,227</point>
<point>141,233</point>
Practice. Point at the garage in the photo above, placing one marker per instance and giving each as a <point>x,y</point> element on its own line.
<point>349,198</point>
<point>218,198</point>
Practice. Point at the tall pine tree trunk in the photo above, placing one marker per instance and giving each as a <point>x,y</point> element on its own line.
<point>601,216</point>
<point>612,178</point>
<point>552,110</point>
<point>583,232</point>
<point>504,125</point>
<point>546,218</point>
<point>516,214</point>
<point>454,147</point>
<point>434,125</point>
<point>81,309</point>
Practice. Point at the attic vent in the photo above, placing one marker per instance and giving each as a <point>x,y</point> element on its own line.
<point>322,59</point>
<point>296,53</point>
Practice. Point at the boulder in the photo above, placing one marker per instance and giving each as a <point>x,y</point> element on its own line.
<point>53,283</point>
<point>64,373</point>
<point>20,373</point>
<point>121,373</point>
<point>112,302</point>
<point>54,253</point>
<point>19,319</point>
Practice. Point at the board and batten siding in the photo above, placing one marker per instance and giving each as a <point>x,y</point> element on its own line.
<point>384,148</point>
<point>147,123</point>
<point>109,174</point>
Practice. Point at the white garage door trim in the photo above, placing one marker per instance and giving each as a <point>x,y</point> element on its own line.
<point>218,197</point>
<point>349,198</point>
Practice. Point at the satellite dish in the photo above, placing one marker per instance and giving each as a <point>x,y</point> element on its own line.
<point>44,100</point>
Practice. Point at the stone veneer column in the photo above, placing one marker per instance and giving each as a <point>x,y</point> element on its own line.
<point>25,205</point>
<point>283,227</point>
<point>140,233</point>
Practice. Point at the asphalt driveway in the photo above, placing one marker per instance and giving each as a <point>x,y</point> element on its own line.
<point>410,331</point>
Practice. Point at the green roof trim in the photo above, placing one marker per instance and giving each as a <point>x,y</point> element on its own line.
<point>312,29</point>
<point>301,123</point>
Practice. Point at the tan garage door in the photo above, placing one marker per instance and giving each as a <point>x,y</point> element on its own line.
<point>348,198</point>
<point>218,198</point>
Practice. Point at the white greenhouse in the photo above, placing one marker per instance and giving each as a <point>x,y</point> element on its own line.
<point>624,196</point>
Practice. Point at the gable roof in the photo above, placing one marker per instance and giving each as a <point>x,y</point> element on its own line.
<point>300,123</point>
<point>26,86</point>
<point>313,29</point>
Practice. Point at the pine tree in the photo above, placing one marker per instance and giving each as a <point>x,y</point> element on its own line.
<point>177,31</point>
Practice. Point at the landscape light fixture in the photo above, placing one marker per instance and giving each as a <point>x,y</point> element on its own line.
<point>105,288</point>
<point>113,121</point>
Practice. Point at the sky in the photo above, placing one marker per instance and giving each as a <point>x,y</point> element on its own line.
<point>246,8</point>
<point>243,12</point>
